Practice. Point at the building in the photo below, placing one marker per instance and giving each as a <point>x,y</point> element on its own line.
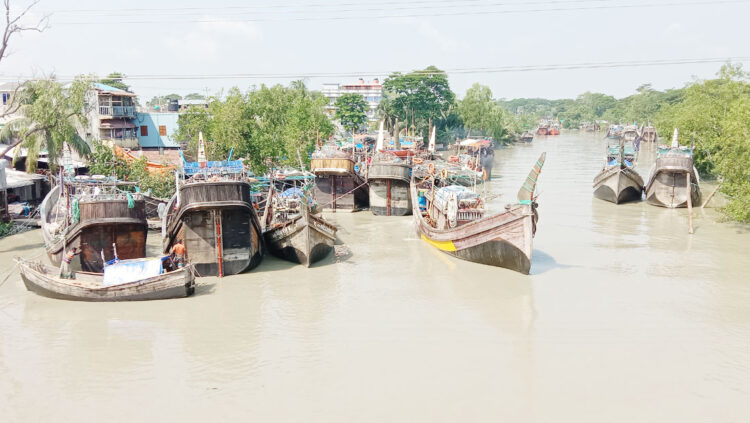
<point>8,109</point>
<point>156,137</point>
<point>371,92</point>
<point>111,114</point>
<point>183,104</point>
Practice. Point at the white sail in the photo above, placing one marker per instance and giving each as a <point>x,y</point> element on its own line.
<point>379,144</point>
<point>201,148</point>
<point>431,146</point>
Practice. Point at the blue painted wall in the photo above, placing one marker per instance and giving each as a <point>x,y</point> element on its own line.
<point>152,121</point>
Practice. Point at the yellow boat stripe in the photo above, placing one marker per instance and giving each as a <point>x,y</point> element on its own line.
<point>442,245</point>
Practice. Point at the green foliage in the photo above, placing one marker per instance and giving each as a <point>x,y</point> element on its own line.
<point>195,96</point>
<point>162,101</point>
<point>278,122</point>
<point>480,112</point>
<point>104,161</point>
<point>716,114</point>
<point>351,111</point>
<point>417,98</point>
<point>51,115</point>
<point>114,79</point>
<point>5,228</point>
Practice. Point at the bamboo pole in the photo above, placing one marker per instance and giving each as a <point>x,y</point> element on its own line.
<point>689,204</point>
<point>712,195</point>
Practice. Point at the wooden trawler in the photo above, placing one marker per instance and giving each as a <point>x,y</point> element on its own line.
<point>452,219</point>
<point>630,133</point>
<point>126,280</point>
<point>213,214</point>
<point>388,177</point>
<point>590,127</point>
<point>554,130</point>
<point>618,182</point>
<point>674,181</point>
<point>614,132</point>
<point>338,185</point>
<point>543,129</point>
<point>92,214</point>
<point>527,136</point>
<point>292,232</point>
<point>649,134</point>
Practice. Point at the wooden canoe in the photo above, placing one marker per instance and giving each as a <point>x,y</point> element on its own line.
<point>304,239</point>
<point>45,281</point>
<point>502,240</point>
<point>389,188</point>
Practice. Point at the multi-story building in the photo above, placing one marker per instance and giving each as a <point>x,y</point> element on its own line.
<point>8,108</point>
<point>372,92</point>
<point>111,114</point>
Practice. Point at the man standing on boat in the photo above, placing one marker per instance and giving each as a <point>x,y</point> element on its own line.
<point>178,250</point>
<point>65,272</point>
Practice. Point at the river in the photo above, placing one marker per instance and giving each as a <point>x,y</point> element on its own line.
<point>625,317</point>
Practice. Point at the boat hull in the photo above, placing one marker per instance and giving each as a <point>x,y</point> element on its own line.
<point>669,189</point>
<point>618,185</point>
<point>302,240</point>
<point>341,193</point>
<point>43,281</point>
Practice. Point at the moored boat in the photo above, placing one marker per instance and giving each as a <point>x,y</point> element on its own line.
<point>292,232</point>
<point>630,133</point>
<point>649,134</point>
<point>126,280</point>
<point>338,184</point>
<point>673,178</point>
<point>527,136</point>
<point>92,214</point>
<point>543,129</point>
<point>453,219</point>
<point>554,130</point>
<point>618,182</point>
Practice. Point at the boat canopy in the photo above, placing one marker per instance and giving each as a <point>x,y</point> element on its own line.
<point>218,167</point>
<point>127,271</point>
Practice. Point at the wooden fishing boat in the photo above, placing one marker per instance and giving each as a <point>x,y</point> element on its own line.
<point>554,130</point>
<point>527,136</point>
<point>92,214</point>
<point>213,214</point>
<point>292,232</point>
<point>649,134</point>
<point>46,281</point>
<point>618,182</point>
<point>453,220</point>
<point>389,180</point>
<point>673,177</point>
<point>338,184</point>
<point>630,133</point>
<point>614,132</point>
<point>543,129</point>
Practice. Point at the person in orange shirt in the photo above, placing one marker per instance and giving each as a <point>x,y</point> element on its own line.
<point>178,250</point>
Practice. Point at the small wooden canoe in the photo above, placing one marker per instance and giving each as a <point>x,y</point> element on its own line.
<point>304,238</point>
<point>502,240</point>
<point>45,280</point>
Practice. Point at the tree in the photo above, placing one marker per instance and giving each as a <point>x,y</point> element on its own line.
<point>51,115</point>
<point>351,111</point>
<point>114,79</point>
<point>419,97</point>
<point>163,100</point>
<point>195,96</point>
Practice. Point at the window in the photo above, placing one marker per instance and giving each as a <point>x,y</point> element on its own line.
<point>163,130</point>
<point>144,130</point>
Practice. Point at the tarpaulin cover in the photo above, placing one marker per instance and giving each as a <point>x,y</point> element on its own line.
<point>126,271</point>
<point>227,166</point>
<point>292,192</point>
<point>462,194</point>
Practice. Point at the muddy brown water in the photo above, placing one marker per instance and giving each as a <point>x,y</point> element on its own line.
<point>625,317</point>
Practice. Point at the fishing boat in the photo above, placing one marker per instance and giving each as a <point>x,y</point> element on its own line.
<point>453,219</point>
<point>649,134</point>
<point>527,136</point>
<point>618,182</point>
<point>292,232</point>
<point>388,177</point>
<point>543,129</point>
<point>125,280</point>
<point>338,183</point>
<point>92,213</point>
<point>673,179</point>
<point>212,213</point>
<point>614,132</point>
<point>554,130</point>
<point>630,133</point>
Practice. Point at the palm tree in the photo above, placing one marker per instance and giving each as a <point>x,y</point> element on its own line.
<point>50,116</point>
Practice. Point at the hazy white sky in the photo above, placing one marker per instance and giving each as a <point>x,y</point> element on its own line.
<point>291,37</point>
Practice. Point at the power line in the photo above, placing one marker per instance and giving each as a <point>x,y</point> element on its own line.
<point>455,71</point>
<point>412,15</point>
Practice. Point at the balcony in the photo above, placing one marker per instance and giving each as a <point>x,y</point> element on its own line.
<point>117,111</point>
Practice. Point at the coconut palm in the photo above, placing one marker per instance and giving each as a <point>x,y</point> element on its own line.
<point>50,116</point>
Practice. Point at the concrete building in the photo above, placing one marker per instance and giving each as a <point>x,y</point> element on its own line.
<point>111,114</point>
<point>156,136</point>
<point>7,107</point>
<point>371,92</point>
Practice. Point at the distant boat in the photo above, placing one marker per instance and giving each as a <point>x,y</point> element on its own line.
<point>668,183</point>
<point>127,280</point>
<point>649,134</point>
<point>630,133</point>
<point>92,213</point>
<point>618,182</point>
<point>452,219</point>
<point>543,129</point>
<point>527,136</point>
<point>554,130</point>
<point>614,132</point>
<point>292,232</point>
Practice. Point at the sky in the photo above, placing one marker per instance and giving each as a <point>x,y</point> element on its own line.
<point>183,46</point>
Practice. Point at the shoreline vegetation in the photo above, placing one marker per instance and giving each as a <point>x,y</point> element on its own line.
<point>287,122</point>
